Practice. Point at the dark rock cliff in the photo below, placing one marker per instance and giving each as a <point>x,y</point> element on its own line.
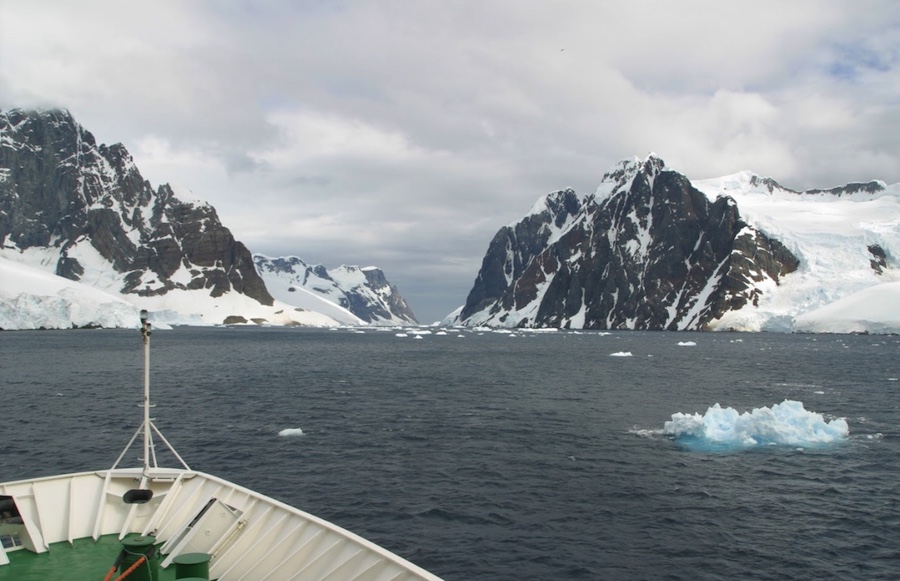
<point>650,252</point>
<point>515,247</point>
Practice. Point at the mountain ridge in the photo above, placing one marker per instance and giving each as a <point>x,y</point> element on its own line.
<point>82,211</point>
<point>355,295</point>
<point>650,249</point>
<point>63,191</point>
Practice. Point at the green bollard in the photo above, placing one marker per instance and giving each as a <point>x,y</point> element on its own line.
<point>192,565</point>
<point>135,547</point>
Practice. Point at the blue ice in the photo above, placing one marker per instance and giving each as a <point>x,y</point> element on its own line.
<point>784,424</point>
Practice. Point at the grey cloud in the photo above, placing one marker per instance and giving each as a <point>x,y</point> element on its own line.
<point>419,129</point>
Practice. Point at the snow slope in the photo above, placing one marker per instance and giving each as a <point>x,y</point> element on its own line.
<point>31,298</point>
<point>289,291</point>
<point>872,310</point>
<point>348,294</point>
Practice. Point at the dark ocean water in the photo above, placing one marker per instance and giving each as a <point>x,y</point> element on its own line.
<point>496,457</point>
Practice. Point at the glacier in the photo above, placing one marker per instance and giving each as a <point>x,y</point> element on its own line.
<point>31,298</point>
<point>835,289</point>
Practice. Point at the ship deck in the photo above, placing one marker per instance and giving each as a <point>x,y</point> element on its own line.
<point>249,535</point>
<point>83,559</point>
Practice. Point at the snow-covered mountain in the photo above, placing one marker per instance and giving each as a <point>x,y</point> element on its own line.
<point>650,249</point>
<point>82,212</point>
<point>847,240</point>
<point>349,294</point>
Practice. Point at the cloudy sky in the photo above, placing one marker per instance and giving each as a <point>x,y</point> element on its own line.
<point>403,134</point>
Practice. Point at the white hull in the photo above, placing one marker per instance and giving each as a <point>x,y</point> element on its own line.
<point>249,536</point>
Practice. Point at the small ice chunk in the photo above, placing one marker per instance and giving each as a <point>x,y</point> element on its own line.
<point>287,432</point>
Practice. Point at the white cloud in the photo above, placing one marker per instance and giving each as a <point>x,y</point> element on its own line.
<point>307,136</point>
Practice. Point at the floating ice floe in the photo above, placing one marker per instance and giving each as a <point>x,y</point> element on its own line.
<point>287,432</point>
<point>787,423</point>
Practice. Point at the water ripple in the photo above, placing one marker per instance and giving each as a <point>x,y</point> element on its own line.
<point>497,459</point>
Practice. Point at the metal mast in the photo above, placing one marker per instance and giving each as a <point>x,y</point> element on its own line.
<point>147,424</point>
<point>145,335</point>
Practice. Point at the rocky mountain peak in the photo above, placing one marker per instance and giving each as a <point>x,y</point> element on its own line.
<point>648,251</point>
<point>622,176</point>
<point>767,183</point>
<point>87,205</point>
<point>555,207</point>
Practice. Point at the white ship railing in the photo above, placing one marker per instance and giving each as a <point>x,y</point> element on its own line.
<point>248,535</point>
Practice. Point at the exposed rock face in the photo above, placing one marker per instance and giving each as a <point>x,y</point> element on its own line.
<point>871,187</point>
<point>879,258</point>
<point>389,304</point>
<point>646,251</point>
<point>516,246</point>
<point>363,292</point>
<point>85,207</point>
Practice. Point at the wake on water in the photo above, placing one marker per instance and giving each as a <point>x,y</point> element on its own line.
<point>785,424</point>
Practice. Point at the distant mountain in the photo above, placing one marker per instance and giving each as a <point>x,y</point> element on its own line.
<point>649,249</point>
<point>349,294</point>
<point>82,211</point>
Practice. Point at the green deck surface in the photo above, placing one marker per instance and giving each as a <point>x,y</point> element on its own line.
<point>85,560</point>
